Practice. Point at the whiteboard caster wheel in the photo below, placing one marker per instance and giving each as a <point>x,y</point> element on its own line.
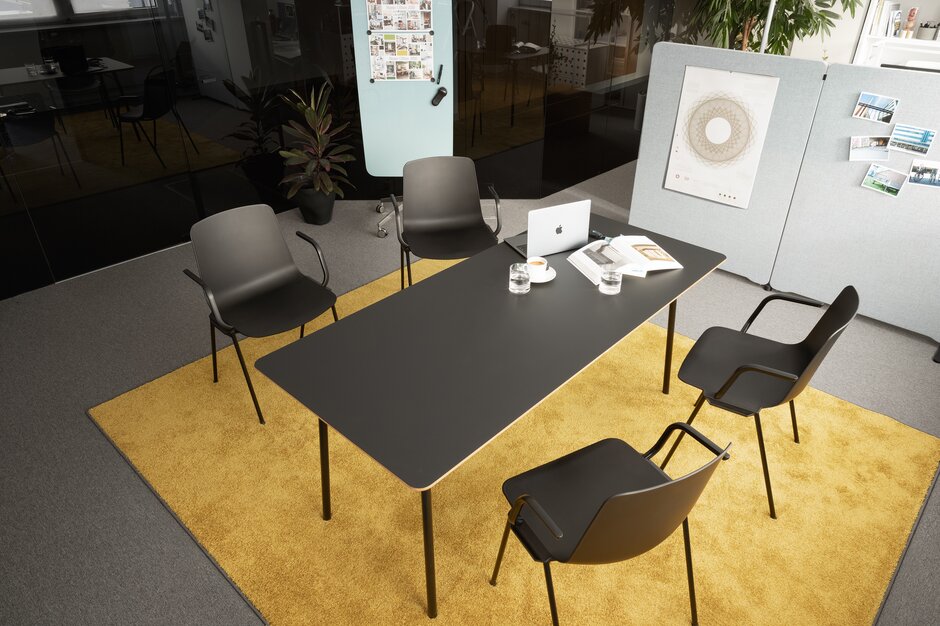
<point>382,233</point>
<point>380,208</point>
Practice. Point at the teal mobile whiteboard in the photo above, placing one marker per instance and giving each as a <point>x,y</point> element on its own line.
<point>399,123</point>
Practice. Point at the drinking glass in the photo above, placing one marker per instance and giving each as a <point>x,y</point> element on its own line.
<point>32,69</point>
<point>610,282</point>
<point>519,278</point>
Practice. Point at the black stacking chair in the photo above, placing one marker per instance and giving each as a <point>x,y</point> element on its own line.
<point>745,374</point>
<point>26,129</point>
<point>441,217</point>
<point>158,99</point>
<point>250,280</point>
<point>603,504</point>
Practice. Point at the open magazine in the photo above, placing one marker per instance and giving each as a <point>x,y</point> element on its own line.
<point>631,255</point>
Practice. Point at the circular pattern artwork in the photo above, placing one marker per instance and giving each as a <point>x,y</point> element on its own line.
<point>719,129</point>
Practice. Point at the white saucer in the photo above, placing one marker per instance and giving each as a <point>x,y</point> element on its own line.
<point>545,278</point>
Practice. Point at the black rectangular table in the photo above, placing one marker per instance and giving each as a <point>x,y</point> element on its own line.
<point>464,358</point>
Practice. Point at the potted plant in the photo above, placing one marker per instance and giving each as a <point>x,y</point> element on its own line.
<point>316,157</point>
<point>259,161</point>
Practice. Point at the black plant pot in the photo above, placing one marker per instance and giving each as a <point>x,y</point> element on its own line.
<point>315,206</point>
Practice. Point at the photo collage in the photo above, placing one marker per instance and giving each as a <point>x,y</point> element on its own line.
<point>402,56</point>
<point>903,138</point>
<point>405,54</point>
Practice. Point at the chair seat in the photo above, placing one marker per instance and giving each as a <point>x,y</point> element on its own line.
<point>456,243</point>
<point>720,351</point>
<point>280,309</point>
<point>572,489</point>
<point>134,114</point>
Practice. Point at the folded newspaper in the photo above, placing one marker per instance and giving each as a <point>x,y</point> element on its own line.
<point>631,255</point>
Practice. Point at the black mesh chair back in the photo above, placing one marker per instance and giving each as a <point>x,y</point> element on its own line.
<point>441,193</point>
<point>824,335</point>
<point>241,253</point>
<point>629,524</point>
<point>159,93</point>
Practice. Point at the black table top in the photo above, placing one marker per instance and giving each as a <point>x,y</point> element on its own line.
<point>426,377</point>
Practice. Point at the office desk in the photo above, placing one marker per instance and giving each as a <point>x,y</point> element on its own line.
<point>460,359</point>
<point>18,75</point>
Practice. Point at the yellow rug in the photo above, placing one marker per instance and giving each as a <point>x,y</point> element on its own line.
<point>847,497</point>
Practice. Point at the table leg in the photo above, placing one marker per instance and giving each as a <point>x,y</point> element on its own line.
<point>428,524</point>
<point>512,94</point>
<point>670,331</point>
<point>325,469</point>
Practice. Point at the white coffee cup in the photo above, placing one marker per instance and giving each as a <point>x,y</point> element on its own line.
<point>537,267</point>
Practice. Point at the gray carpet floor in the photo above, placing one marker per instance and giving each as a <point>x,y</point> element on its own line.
<point>82,538</point>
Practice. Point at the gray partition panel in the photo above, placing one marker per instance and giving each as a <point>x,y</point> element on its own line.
<point>839,233</point>
<point>748,237</point>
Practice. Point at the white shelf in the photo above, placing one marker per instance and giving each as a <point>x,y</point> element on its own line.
<point>897,42</point>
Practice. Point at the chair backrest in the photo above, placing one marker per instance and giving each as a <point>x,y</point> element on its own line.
<point>71,58</point>
<point>159,95</point>
<point>824,334</point>
<point>241,252</point>
<point>629,524</point>
<point>25,129</point>
<point>441,193</point>
<point>498,43</point>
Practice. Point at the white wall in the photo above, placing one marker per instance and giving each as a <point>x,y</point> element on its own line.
<point>839,46</point>
<point>210,58</point>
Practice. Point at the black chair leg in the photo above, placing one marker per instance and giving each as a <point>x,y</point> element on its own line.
<point>153,144</point>
<point>215,365</point>
<point>499,555</point>
<point>301,331</point>
<point>335,314</point>
<point>186,130</point>
<point>763,460</point>
<point>7,183</point>
<point>67,159</point>
<point>251,388</point>
<point>401,271</point>
<point>408,264</point>
<point>551,593</point>
<point>796,431</point>
<point>688,569</point>
<point>698,405</point>
<point>121,139</point>
<point>58,159</point>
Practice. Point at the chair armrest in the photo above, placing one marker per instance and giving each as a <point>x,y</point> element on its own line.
<point>759,369</point>
<point>399,227</point>
<point>789,297</point>
<point>316,246</point>
<point>689,430</point>
<point>210,298</point>
<point>499,224</point>
<point>541,513</point>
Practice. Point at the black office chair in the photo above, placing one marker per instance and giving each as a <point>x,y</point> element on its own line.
<point>251,282</point>
<point>745,374</point>
<point>442,218</point>
<point>77,87</point>
<point>28,128</point>
<point>158,99</point>
<point>603,504</point>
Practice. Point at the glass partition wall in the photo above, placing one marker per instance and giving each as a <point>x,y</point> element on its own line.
<point>125,121</point>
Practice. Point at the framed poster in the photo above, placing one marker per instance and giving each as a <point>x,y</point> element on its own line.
<point>719,134</point>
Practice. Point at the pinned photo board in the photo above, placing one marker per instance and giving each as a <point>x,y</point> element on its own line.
<point>399,123</point>
<point>839,233</point>
<point>747,237</point>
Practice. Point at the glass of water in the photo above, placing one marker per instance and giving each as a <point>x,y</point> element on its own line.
<point>610,282</point>
<point>519,278</point>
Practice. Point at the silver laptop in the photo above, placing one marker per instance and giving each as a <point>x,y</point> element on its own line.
<point>554,229</point>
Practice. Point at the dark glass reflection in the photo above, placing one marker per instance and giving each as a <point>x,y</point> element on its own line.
<point>125,122</point>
